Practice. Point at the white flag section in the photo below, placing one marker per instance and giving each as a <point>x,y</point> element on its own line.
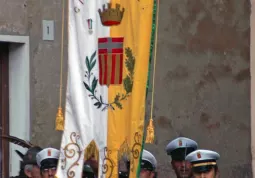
<point>81,116</point>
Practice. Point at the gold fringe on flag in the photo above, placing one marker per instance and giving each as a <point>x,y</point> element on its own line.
<point>60,123</point>
<point>150,135</point>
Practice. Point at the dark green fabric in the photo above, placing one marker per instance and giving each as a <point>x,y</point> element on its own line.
<point>152,43</point>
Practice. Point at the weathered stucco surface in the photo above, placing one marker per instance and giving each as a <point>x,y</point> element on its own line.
<point>46,70</point>
<point>202,88</point>
<point>202,76</point>
<point>24,17</point>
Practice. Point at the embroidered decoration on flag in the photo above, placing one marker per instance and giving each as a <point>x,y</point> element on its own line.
<point>111,16</point>
<point>108,164</point>
<point>91,81</point>
<point>76,9</point>
<point>110,60</point>
<point>70,151</point>
<point>89,21</point>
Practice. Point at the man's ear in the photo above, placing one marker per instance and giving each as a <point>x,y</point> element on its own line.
<point>217,174</point>
<point>28,173</point>
<point>172,163</point>
<point>152,174</point>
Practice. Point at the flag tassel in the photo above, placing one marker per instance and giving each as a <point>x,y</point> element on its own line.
<point>60,120</point>
<point>150,132</point>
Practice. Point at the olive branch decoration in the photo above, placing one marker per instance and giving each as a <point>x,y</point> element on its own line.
<point>91,84</point>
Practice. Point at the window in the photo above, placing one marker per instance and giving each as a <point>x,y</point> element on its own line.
<point>4,109</point>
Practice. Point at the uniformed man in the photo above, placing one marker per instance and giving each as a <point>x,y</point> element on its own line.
<point>31,168</point>
<point>148,165</point>
<point>47,160</point>
<point>178,149</point>
<point>204,163</point>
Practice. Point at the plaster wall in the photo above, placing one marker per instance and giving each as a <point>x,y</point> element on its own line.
<point>202,87</point>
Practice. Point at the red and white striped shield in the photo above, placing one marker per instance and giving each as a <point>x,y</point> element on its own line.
<point>110,52</point>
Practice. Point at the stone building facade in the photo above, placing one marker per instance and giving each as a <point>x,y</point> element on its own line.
<point>202,88</point>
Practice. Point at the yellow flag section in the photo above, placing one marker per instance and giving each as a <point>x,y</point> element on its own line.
<point>126,121</point>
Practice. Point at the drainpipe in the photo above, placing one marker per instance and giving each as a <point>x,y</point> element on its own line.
<point>252,73</point>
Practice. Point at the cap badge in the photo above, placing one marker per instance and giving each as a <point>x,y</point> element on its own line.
<point>49,152</point>
<point>198,155</point>
<point>180,142</point>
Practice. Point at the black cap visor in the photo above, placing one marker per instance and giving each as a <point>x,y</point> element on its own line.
<point>147,165</point>
<point>49,163</point>
<point>203,169</point>
<point>180,154</point>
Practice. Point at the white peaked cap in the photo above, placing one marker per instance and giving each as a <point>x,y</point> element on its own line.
<point>202,156</point>
<point>47,153</point>
<point>181,142</point>
<point>147,156</point>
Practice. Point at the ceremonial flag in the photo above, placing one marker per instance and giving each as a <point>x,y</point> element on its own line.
<point>108,56</point>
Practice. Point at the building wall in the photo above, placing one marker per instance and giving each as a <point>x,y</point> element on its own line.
<point>202,76</point>
<point>24,17</point>
<point>202,87</point>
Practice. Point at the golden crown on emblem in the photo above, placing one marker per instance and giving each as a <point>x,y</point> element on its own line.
<point>111,16</point>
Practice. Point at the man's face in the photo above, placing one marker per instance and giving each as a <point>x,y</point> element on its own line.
<point>209,174</point>
<point>146,174</point>
<point>34,172</point>
<point>182,169</point>
<point>49,173</point>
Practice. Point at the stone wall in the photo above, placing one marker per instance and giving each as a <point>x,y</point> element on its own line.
<point>202,86</point>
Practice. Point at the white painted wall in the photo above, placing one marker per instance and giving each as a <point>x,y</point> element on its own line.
<point>19,91</point>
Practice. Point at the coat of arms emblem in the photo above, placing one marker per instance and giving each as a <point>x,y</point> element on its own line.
<point>198,155</point>
<point>180,142</point>
<point>110,72</point>
<point>110,53</point>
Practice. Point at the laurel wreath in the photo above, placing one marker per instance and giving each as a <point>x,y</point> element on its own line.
<point>91,84</point>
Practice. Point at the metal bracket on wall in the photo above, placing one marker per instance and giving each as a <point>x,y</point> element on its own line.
<point>48,30</point>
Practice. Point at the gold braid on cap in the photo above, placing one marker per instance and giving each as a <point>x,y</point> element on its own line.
<point>204,164</point>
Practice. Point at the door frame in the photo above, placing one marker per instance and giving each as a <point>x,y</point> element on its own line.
<point>4,94</point>
<point>20,104</point>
